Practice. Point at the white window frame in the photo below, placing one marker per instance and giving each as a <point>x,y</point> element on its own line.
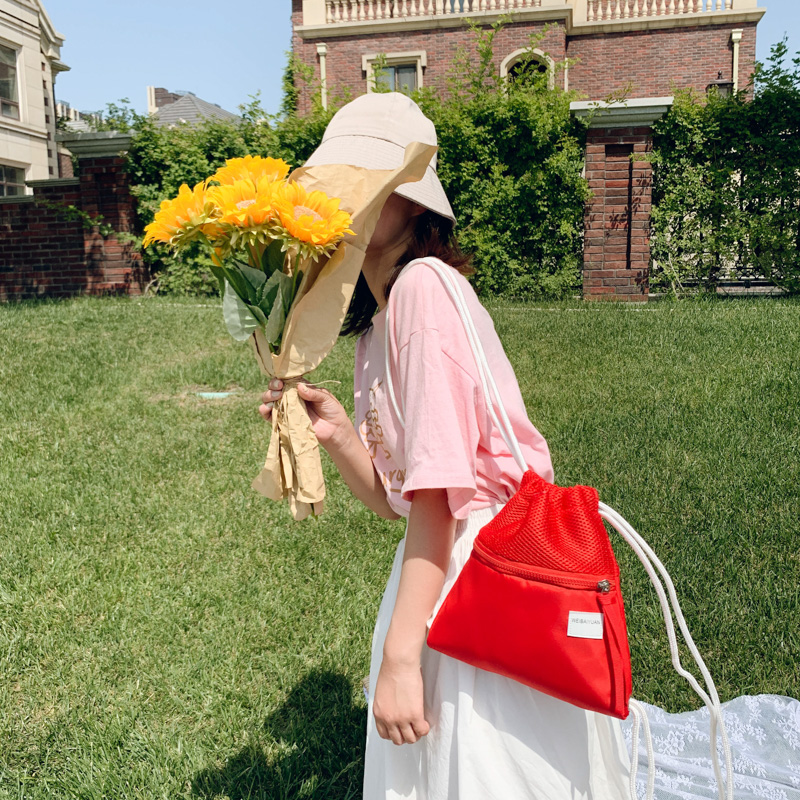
<point>519,55</point>
<point>25,168</point>
<point>18,67</point>
<point>418,57</point>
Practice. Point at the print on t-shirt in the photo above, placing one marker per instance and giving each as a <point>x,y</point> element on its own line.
<point>372,436</point>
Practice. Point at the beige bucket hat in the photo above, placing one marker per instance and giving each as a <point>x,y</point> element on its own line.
<point>372,132</point>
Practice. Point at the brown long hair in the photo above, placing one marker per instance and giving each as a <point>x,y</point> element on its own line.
<point>432,236</point>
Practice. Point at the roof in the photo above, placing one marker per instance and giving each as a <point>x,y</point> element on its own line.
<point>79,125</point>
<point>191,110</point>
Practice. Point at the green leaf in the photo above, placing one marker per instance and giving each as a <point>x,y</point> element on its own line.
<point>259,315</point>
<point>239,320</point>
<point>255,276</point>
<point>269,291</point>
<point>242,285</point>
<point>274,328</point>
<point>236,282</point>
<point>273,258</point>
<point>219,274</point>
<point>277,315</point>
<point>288,297</point>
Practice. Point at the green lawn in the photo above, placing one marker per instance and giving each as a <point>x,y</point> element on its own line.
<point>167,632</point>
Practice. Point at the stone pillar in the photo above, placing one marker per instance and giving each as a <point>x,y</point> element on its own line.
<point>113,264</point>
<point>616,251</point>
<point>616,256</point>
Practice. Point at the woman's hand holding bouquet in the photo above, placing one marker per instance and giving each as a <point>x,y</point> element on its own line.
<point>328,417</point>
<point>287,258</point>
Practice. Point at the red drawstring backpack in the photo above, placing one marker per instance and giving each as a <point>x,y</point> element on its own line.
<point>539,598</point>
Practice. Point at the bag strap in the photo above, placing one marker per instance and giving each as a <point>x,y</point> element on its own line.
<point>487,379</point>
<point>655,569</point>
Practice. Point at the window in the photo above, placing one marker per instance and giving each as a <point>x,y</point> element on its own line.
<point>530,69</point>
<point>397,78</point>
<point>394,72</point>
<point>12,181</point>
<point>528,65</point>
<point>9,98</point>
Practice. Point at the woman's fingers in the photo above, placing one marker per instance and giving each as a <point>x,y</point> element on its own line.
<point>269,397</point>
<point>405,732</point>
<point>390,732</point>
<point>312,394</point>
<point>421,728</point>
<point>393,733</point>
<point>308,392</point>
<point>274,392</point>
<point>408,734</point>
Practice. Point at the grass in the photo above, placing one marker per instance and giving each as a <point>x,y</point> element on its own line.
<point>165,632</point>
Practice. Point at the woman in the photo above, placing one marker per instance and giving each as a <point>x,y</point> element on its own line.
<point>438,729</point>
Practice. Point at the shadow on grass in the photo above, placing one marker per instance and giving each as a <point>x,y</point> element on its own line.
<point>320,733</point>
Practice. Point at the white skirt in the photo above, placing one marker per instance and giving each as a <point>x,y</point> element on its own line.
<point>491,738</point>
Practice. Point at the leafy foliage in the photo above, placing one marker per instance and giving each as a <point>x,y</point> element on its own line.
<point>510,159</point>
<point>68,211</point>
<point>726,193</point>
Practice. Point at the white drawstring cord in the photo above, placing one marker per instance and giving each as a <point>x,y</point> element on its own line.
<point>643,551</point>
<point>640,719</point>
<point>668,607</point>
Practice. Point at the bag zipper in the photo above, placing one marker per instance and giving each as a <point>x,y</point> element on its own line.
<point>603,586</point>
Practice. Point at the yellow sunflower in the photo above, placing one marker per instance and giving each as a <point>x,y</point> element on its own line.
<point>312,219</point>
<point>254,168</point>
<point>184,217</point>
<point>245,203</point>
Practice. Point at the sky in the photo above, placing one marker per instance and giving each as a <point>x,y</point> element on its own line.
<point>222,51</point>
<point>117,49</point>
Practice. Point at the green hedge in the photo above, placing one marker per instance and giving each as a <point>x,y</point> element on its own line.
<point>726,201</point>
<point>510,159</point>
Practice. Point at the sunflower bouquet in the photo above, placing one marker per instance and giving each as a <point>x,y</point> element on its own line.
<point>260,229</point>
<point>287,258</point>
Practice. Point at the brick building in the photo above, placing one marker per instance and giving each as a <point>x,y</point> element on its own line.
<point>647,48</point>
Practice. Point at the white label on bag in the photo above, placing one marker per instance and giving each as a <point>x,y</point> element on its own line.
<point>585,625</point>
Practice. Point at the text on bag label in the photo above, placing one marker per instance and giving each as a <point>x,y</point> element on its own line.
<point>585,625</point>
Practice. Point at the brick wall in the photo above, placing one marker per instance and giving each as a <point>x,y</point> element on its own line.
<point>44,253</point>
<point>65,169</point>
<point>656,62</point>
<point>653,63</point>
<point>441,46</point>
<point>616,251</point>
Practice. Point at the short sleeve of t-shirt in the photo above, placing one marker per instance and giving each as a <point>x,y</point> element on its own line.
<point>437,394</point>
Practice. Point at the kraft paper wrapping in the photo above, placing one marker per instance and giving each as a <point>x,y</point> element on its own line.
<point>293,469</point>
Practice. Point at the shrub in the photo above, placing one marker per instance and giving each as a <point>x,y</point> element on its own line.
<point>510,158</point>
<point>726,191</point>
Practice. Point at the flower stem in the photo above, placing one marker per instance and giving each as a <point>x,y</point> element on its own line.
<point>256,261</point>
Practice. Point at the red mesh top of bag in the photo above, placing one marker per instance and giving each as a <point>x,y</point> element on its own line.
<point>552,527</point>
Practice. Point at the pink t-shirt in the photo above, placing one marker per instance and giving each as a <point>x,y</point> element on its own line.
<point>449,441</point>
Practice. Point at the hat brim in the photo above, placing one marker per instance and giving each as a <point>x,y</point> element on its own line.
<point>370,152</point>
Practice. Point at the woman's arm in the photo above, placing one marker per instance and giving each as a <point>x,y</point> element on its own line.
<point>336,434</point>
<point>359,473</point>
<point>398,706</point>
